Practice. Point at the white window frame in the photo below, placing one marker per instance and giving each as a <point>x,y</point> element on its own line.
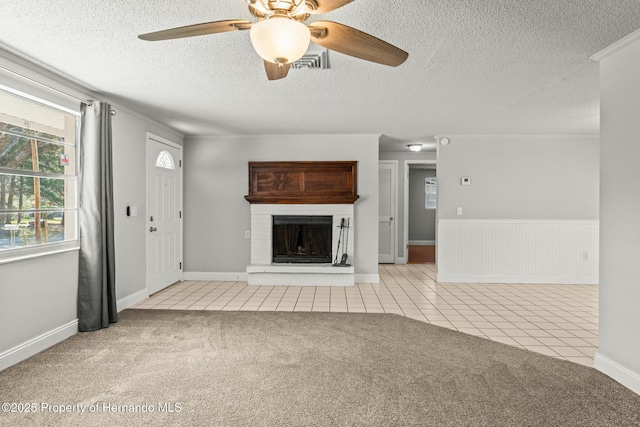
<point>430,189</point>
<point>24,253</point>
<point>163,158</point>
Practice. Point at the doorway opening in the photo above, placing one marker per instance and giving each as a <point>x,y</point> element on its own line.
<point>163,214</point>
<point>421,219</point>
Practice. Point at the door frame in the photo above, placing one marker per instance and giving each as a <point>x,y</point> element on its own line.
<point>149,137</point>
<point>405,234</point>
<point>394,207</point>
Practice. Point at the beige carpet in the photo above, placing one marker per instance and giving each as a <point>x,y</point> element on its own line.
<point>303,369</point>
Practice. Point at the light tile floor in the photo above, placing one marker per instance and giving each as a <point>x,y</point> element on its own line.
<point>556,320</point>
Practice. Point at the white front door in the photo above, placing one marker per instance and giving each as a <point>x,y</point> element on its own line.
<point>387,212</point>
<point>164,228</point>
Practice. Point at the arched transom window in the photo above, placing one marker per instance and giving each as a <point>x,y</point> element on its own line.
<point>165,161</point>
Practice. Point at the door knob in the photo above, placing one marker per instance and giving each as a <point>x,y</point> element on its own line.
<point>390,218</point>
<point>152,229</point>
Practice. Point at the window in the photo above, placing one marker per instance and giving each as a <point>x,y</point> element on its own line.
<point>38,176</point>
<point>430,192</point>
<point>165,161</point>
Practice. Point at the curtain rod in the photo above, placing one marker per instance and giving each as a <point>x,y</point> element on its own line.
<point>87,102</point>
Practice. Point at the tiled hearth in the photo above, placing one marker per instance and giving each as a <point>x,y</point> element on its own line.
<point>263,271</point>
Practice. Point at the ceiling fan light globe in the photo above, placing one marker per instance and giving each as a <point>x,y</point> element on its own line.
<point>280,40</point>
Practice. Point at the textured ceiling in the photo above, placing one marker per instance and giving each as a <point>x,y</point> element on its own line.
<point>474,67</point>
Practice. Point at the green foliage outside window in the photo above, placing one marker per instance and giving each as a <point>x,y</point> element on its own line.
<point>37,178</point>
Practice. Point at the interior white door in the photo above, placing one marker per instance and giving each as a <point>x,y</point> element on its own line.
<point>164,240</point>
<point>387,213</point>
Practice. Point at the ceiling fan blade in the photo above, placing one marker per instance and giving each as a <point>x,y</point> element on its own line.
<point>325,6</point>
<point>352,42</point>
<point>198,30</point>
<point>276,71</point>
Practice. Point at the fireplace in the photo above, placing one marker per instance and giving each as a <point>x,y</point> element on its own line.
<point>302,238</point>
<point>265,269</point>
<point>298,216</point>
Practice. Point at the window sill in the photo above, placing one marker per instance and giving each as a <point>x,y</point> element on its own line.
<point>22,254</point>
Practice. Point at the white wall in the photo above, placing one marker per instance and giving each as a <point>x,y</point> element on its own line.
<point>38,305</point>
<point>519,177</point>
<point>38,297</point>
<point>619,346</point>
<point>129,182</point>
<point>527,193</point>
<point>216,181</point>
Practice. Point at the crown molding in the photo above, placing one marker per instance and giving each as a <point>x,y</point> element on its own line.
<point>617,46</point>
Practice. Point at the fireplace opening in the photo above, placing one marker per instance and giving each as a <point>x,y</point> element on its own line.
<point>302,239</point>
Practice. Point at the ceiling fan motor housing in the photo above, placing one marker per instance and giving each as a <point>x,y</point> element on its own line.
<point>293,9</point>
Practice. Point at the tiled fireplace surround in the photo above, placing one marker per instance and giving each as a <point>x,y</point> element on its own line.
<point>263,271</point>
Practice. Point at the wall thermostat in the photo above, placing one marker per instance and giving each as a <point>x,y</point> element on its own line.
<point>465,181</point>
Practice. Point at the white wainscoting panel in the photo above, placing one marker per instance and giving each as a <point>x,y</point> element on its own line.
<point>518,251</point>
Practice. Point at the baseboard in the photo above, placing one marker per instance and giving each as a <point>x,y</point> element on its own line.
<point>213,276</point>
<point>401,261</point>
<point>367,278</point>
<point>422,242</point>
<point>131,300</point>
<point>549,280</point>
<point>37,344</point>
<point>624,376</point>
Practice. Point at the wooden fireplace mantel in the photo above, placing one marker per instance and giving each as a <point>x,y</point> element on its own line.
<point>303,182</point>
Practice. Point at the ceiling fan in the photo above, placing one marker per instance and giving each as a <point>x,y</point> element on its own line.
<point>280,36</point>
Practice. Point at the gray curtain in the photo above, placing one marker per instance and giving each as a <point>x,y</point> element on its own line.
<point>96,284</point>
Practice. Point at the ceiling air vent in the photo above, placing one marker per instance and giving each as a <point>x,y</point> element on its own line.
<point>312,61</point>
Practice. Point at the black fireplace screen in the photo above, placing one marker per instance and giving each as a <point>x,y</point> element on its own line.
<point>302,239</point>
